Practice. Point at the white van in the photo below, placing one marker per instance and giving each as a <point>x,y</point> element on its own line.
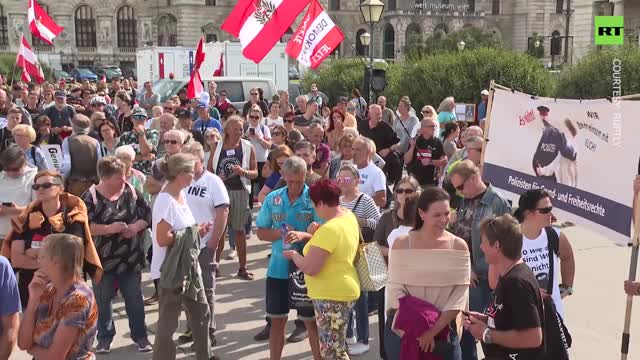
<point>238,88</point>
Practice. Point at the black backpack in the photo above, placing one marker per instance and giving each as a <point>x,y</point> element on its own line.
<point>556,337</point>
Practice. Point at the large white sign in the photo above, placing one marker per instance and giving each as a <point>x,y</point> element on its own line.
<point>53,156</point>
<point>585,153</point>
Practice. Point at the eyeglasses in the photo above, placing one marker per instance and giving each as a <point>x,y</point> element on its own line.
<point>545,210</point>
<point>344,180</point>
<point>288,121</point>
<point>253,117</point>
<point>172,142</point>
<point>404,191</point>
<point>43,186</point>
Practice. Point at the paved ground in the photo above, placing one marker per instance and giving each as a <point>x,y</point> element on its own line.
<point>595,313</point>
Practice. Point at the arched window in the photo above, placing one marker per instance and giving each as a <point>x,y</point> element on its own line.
<point>85,27</point>
<point>495,7</point>
<point>413,35</point>
<point>36,41</point>
<point>359,45</point>
<point>4,30</point>
<point>389,42</point>
<point>127,27</point>
<point>556,43</point>
<point>334,4</point>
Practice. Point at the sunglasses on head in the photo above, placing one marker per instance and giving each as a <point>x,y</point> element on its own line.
<point>172,142</point>
<point>43,186</point>
<point>404,191</point>
<point>545,210</point>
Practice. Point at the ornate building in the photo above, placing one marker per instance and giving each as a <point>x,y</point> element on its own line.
<point>110,31</point>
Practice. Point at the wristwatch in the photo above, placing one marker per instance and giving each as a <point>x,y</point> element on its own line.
<point>486,336</point>
<point>568,290</point>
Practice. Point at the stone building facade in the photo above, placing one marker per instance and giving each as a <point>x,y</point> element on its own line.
<point>99,31</point>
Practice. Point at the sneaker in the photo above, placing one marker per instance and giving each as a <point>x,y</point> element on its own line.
<point>154,299</point>
<point>186,337</point>
<point>144,345</point>
<point>352,340</point>
<point>232,255</point>
<point>263,334</point>
<point>299,334</point>
<point>358,349</point>
<point>104,347</point>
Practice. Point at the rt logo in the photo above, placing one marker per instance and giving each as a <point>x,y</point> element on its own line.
<point>609,30</point>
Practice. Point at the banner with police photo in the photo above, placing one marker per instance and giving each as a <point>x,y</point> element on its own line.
<point>585,153</point>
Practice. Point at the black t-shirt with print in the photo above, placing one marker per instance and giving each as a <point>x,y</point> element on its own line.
<point>517,305</point>
<point>426,150</point>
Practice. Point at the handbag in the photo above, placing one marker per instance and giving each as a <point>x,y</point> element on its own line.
<point>298,297</point>
<point>367,232</point>
<point>370,266</point>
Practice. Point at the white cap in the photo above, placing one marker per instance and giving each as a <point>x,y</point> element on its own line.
<point>484,92</point>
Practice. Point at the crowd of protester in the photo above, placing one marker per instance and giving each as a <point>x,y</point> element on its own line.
<point>163,187</point>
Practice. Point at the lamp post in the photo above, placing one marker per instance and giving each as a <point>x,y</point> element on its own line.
<point>365,39</point>
<point>371,13</point>
<point>461,45</point>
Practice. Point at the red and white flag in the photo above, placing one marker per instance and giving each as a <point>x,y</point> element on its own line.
<point>104,78</point>
<point>41,24</point>
<point>259,24</point>
<point>28,61</point>
<point>195,87</point>
<point>199,54</point>
<point>220,69</point>
<point>316,37</point>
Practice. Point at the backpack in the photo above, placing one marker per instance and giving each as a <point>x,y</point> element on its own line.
<point>556,337</point>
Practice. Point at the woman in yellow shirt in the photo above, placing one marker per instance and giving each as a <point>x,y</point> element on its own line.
<point>330,276</point>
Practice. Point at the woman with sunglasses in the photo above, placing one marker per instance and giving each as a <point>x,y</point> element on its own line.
<point>278,137</point>
<point>254,99</point>
<point>367,213</point>
<point>335,129</point>
<point>535,214</point>
<point>288,121</point>
<point>54,211</point>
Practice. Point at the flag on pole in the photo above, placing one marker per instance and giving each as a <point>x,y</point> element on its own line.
<point>28,61</point>
<point>195,85</point>
<point>316,37</point>
<point>199,54</point>
<point>259,24</point>
<point>41,24</point>
<point>218,71</point>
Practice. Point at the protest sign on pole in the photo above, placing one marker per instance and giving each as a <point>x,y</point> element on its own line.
<point>53,156</point>
<point>583,152</point>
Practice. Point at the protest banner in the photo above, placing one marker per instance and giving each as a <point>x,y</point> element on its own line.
<point>583,152</point>
<point>53,156</point>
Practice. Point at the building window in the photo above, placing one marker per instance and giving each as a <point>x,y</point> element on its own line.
<point>359,45</point>
<point>556,43</point>
<point>127,27</point>
<point>389,42</point>
<point>334,4</point>
<point>495,7</point>
<point>85,27</point>
<point>211,38</point>
<point>167,31</point>
<point>413,35</point>
<point>210,2</point>
<point>4,33</point>
<point>559,6</point>
<point>36,41</point>
<point>471,6</point>
<point>391,5</point>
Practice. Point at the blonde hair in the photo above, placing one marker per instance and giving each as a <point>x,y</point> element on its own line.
<point>23,129</point>
<point>67,250</point>
<point>195,149</point>
<point>465,169</point>
<point>371,146</point>
<point>177,164</point>
<point>109,166</point>
<point>448,104</point>
<point>230,120</point>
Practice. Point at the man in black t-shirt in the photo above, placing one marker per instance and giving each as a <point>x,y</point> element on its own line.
<point>425,156</point>
<point>511,327</point>
<point>386,140</point>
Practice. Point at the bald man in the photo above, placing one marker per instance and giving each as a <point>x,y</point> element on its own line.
<point>426,156</point>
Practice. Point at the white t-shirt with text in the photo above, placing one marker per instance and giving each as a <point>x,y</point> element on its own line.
<point>203,196</point>
<point>372,179</point>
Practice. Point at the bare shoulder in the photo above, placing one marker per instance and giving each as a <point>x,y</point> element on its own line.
<point>401,242</point>
<point>459,244</point>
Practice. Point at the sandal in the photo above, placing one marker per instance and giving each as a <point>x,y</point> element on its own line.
<point>245,275</point>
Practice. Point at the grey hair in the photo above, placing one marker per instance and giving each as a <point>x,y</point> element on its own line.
<point>474,140</point>
<point>125,150</point>
<point>195,149</point>
<point>294,165</point>
<point>351,131</point>
<point>447,104</point>
<point>181,135</point>
<point>371,146</point>
<point>301,97</point>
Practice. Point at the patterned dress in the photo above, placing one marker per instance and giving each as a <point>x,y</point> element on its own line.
<point>77,309</point>
<point>130,138</point>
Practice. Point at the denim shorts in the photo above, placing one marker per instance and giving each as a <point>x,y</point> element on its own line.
<point>277,299</point>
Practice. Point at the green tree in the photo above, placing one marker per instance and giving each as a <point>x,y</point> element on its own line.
<point>593,76</point>
<point>440,41</point>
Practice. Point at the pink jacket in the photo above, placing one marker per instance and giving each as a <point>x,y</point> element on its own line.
<point>414,317</point>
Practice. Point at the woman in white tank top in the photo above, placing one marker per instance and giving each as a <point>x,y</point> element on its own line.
<point>535,214</point>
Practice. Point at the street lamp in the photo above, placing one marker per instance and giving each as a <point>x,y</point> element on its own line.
<point>371,13</point>
<point>537,44</point>
<point>461,45</point>
<point>365,40</point>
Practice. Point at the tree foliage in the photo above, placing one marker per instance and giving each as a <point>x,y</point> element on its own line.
<point>593,76</point>
<point>440,41</point>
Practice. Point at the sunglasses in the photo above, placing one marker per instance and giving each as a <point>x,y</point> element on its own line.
<point>288,121</point>
<point>254,117</point>
<point>404,191</point>
<point>461,186</point>
<point>344,180</point>
<point>223,94</point>
<point>211,136</point>
<point>545,210</point>
<point>254,94</point>
<point>426,111</point>
<point>172,142</point>
<point>43,186</point>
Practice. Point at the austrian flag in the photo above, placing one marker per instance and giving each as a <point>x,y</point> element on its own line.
<point>316,37</point>
<point>41,24</point>
<point>28,61</point>
<point>259,24</point>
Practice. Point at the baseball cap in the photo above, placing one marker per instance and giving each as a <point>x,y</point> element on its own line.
<point>139,113</point>
<point>202,105</point>
<point>60,94</point>
<point>98,100</point>
<point>183,113</point>
<point>484,92</point>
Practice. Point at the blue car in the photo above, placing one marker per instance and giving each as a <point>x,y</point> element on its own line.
<point>83,74</point>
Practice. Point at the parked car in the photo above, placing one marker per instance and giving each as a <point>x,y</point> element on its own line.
<point>61,74</point>
<point>81,74</point>
<point>110,71</point>
<point>294,74</point>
